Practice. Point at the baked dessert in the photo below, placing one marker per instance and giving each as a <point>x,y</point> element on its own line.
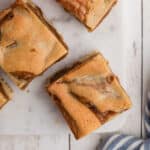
<point>28,44</point>
<point>89,12</point>
<point>5,92</point>
<point>88,94</point>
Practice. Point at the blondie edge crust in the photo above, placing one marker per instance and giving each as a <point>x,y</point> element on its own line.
<point>5,92</point>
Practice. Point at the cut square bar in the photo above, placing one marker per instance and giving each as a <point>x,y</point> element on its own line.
<point>89,12</point>
<point>28,44</point>
<point>88,95</point>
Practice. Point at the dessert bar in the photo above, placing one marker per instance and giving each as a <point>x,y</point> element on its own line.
<point>89,12</point>
<point>28,44</point>
<point>88,94</point>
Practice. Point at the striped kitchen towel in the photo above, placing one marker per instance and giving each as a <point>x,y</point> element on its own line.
<point>125,142</point>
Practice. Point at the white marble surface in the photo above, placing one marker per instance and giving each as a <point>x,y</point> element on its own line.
<point>33,112</point>
<point>119,39</point>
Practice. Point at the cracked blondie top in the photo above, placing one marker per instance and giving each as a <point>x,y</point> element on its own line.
<point>88,95</point>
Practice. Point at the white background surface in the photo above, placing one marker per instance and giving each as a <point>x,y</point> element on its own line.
<point>119,38</point>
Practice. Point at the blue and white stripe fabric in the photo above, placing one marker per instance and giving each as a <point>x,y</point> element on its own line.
<point>125,142</point>
<point>147,117</point>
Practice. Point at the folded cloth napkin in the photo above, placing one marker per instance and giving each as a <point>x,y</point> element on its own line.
<point>125,142</point>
